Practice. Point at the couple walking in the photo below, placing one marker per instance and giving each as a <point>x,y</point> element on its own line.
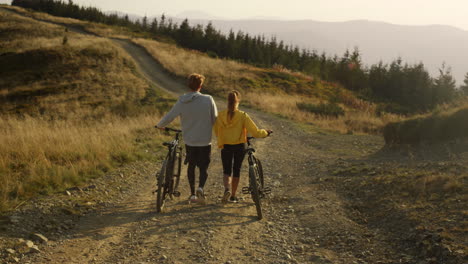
<point>199,117</point>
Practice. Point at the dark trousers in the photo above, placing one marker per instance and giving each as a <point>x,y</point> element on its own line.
<point>197,157</point>
<point>232,157</point>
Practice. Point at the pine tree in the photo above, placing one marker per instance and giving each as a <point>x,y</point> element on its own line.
<point>464,87</point>
<point>154,26</point>
<point>144,23</point>
<point>444,86</point>
<point>162,23</point>
<point>184,34</point>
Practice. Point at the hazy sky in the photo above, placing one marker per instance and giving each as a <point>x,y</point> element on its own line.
<point>408,12</point>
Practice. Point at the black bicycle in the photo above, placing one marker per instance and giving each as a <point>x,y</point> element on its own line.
<point>169,176</point>
<point>256,181</point>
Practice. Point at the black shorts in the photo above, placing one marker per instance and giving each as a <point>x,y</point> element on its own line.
<point>198,156</point>
<point>232,157</point>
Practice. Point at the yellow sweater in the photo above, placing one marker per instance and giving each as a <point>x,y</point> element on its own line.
<point>234,131</point>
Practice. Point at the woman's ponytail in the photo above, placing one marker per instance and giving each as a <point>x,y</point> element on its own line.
<point>233,102</point>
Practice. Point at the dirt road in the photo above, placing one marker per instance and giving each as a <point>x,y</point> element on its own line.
<point>308,219</point>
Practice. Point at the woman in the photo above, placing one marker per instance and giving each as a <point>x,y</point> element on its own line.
<point>231,129</point>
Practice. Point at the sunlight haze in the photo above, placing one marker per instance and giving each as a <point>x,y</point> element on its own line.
<point>414,12</point>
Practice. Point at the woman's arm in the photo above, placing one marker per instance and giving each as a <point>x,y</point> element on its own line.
<point>253,129</point>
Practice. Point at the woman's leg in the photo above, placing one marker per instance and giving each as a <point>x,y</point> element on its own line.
<point>227,182</point>
<point>226,158</point>
<point>235,183</point>
<point>238,156</point>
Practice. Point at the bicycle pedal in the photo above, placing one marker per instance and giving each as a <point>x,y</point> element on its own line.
<point>266,190</point>
<point>176,194</point>
<point>246,190</point>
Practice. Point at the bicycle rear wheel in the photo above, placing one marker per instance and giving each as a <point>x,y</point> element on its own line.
<point>254,184</point>
<point>160,191</point>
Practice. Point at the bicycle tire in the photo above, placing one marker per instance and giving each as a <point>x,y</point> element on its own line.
<point>169,186</point>
<point>178,160</point>
<point>260,172</point>
<point>160,191</point>
<point>253,178</point>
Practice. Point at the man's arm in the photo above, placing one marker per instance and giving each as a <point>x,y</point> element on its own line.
<point>170,116</point>
<point>214,111</point>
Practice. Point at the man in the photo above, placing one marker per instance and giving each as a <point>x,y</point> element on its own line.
<point>197,113</point>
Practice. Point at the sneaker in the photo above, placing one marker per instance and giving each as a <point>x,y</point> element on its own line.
<point>226,196</point>
<point>200,195</point>
<point>193,198</point>
<point>233,199</point>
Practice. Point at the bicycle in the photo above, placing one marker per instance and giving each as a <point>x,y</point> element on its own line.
<point>169,176</point>
<point>256,186</point>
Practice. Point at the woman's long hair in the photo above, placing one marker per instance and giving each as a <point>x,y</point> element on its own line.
<point>233,102</point>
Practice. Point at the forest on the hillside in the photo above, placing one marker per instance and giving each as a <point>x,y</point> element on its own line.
<point>398,87</point>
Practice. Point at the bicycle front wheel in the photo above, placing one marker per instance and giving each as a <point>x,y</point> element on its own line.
<point>254,184</point>
<point>260,172</point>
<point>178,167</point>
<point>160,191</point>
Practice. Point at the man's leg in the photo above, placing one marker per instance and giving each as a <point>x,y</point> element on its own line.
<point>204,162</point>
<point>191,167</point>
<point>191,177</point>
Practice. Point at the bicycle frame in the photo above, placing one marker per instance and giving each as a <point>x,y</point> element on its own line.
<point>168,179</point>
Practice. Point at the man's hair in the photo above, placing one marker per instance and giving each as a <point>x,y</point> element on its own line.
<point>195,80</point>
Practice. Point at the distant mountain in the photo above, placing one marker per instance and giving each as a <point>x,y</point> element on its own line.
<point>193,14</point>
<point>432,44</point>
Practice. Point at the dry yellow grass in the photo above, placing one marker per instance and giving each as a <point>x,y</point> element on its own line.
<point>224,75</point>
<point>86,73</point>
<point>286,105</point>
<point>39,155</point>
<point>221,74</point>
<point>61,108</point>
<point>97,28</point>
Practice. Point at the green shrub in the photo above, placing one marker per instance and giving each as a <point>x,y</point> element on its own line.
<point>432,128</point>
<point>328,109</point>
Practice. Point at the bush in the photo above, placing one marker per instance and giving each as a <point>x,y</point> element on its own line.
<point>432,128</point>
<point>329,109</point>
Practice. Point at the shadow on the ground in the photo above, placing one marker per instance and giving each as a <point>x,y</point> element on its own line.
<point>94,223</point>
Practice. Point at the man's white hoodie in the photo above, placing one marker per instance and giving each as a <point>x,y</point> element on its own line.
<point>198,113</point>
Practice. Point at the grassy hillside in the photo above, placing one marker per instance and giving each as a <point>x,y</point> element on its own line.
<point>71,108</point>
<point>439,126</point>
<point>276,90</point>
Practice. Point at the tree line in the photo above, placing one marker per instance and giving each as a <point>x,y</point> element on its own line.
<point>399,87</point>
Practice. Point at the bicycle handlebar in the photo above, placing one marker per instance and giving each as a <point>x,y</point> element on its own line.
<point>167,129</point>
<point>250,138</point>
